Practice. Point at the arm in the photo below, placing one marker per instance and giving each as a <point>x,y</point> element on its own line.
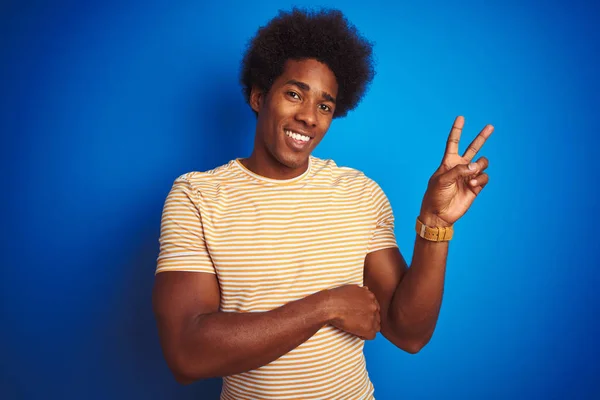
<point>199,341</point>
<point>411,298</point>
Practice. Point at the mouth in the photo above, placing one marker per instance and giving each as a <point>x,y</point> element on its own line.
<point>296,141</point>
<point>297,136</point>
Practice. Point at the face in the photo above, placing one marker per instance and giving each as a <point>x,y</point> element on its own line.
<point>294,115</point>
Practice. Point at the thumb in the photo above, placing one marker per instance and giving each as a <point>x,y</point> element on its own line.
<point>460,171</point>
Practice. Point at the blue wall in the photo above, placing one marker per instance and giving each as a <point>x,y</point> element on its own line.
<point>103,105</point>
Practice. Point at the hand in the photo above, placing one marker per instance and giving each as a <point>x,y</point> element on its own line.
<point>355,311</point>
<point>456,183</point>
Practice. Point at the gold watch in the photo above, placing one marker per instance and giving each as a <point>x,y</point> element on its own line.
<point>434,234</point>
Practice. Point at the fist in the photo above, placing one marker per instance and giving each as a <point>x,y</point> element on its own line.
<point>355,311</point>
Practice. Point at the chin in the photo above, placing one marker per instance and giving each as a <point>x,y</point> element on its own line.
<point>294,163</point>
<point>293,160</point>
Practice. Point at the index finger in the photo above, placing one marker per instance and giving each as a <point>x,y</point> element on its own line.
<point>454,137</point>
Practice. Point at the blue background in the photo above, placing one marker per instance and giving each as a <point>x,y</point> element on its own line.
<point>104,104</point>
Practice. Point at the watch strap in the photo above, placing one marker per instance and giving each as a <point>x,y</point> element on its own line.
<point>434,234</point>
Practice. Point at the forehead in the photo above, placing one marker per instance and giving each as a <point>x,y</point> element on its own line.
<point>312,72</point>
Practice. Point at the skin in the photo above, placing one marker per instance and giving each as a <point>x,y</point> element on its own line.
<point>302,99</point>
<point>403,303</point>
<point>411,298</point>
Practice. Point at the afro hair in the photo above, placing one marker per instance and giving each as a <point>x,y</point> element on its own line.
<point>323,35</point>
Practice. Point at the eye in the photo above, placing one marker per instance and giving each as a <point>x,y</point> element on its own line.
<point>325,107</point>
<point>293,95</point>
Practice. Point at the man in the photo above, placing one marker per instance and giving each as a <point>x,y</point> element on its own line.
<point>274,269</point>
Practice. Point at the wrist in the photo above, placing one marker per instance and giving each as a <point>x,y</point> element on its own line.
<point>326,305</point>
<point>432,220</point>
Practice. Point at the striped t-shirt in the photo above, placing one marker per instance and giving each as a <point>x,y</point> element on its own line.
<point>275,241</point>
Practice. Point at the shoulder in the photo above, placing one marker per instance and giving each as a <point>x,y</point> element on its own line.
<point>353,176</point>
<point>202,181</point>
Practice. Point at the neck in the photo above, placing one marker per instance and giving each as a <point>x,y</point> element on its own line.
<point>269,167</point>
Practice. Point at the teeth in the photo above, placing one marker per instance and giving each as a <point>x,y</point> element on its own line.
<point>297,136</point>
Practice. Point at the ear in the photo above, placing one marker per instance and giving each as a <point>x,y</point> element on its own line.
<point>256,98</point>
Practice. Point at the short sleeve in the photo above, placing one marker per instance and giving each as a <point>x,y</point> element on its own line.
<point>383,236</point>
<point>182,245</point>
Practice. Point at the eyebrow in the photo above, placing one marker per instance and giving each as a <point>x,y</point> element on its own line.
<point>305,87</point>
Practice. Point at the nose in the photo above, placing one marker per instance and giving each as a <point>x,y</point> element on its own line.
<point>307,113</point>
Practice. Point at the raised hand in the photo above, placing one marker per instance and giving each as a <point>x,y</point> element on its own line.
<point>457,181</point>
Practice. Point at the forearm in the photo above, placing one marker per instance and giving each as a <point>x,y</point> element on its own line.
<point>418,297</point>
<point>221,344</point>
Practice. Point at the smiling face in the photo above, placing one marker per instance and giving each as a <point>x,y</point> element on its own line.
<point>293,117</point>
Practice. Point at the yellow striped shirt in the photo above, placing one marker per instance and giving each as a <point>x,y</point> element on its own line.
<point>275,241</point>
